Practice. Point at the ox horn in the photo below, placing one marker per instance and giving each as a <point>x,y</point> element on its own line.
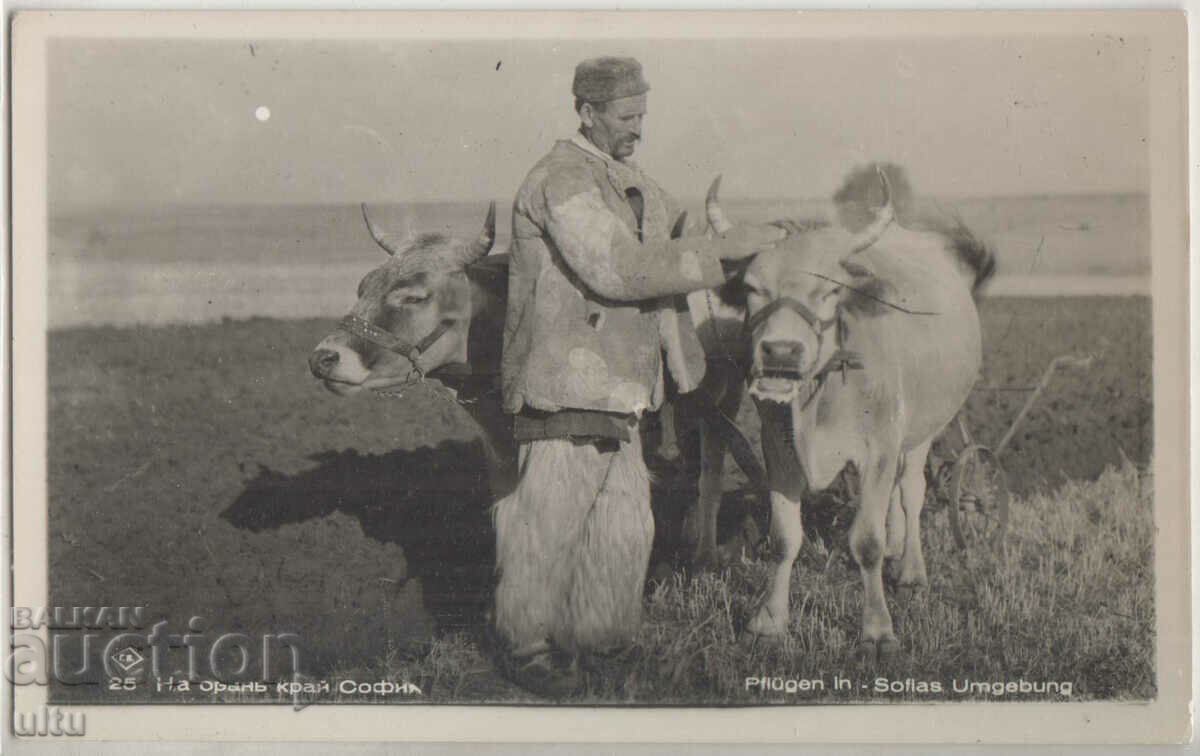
<point>680,226</point>
<point>716,216</point>
<point>883,218</point>
<point>391,249</point>
<point>483,244</point>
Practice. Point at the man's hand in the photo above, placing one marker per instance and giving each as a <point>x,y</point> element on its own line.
<point>745,240</point>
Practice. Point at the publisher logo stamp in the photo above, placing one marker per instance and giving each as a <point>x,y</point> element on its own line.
<point>128,659</point>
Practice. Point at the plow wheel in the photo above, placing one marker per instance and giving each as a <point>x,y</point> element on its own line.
<point>979,498</point>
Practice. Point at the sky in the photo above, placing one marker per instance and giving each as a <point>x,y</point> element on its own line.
<point>344,121</point>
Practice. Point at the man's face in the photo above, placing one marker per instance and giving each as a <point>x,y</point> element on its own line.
<point>617,129</point>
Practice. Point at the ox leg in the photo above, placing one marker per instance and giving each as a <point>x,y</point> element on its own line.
<point>708,505</point>
<point>895,537</point>
<point>912,497</point>
<point>895,526</point>
<point>788,485</point>
<point>667,445</point>
<point>721,391</point>
<point>689,432</point>
<point>660,441</point>
<point>747,534</point>
<point>867,543</point>
<point>787,532</point>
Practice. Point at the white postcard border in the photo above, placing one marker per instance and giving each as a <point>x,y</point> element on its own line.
<point>1165,720</point>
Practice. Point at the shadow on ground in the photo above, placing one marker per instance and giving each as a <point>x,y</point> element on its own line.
<point>432,502</point>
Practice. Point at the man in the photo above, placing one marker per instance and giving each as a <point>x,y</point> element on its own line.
<point>591,309</point>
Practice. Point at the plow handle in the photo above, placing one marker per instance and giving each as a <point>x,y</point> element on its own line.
<point>1064,360</point>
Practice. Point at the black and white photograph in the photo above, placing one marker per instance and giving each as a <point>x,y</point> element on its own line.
<point>565,363</point>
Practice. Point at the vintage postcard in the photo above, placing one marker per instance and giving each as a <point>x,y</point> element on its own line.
<point>656,377</point>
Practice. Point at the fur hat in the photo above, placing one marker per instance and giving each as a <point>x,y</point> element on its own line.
<point>607,78</point>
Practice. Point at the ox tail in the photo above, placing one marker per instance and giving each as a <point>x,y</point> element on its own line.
<point>862,192</point>
<point>977,256</point>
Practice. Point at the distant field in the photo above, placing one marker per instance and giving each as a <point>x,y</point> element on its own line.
<point>1101,234</point>
<point>199,470</point>
<point>200,264</point>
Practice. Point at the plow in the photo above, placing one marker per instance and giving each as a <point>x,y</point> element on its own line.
<point>972,485</point>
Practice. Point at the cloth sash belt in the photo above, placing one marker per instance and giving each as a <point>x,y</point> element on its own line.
<point>584,425</point>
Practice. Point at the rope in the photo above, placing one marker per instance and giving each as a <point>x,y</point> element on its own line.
<point>871,296</point>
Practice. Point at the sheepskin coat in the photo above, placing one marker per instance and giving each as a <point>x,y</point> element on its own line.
<point>591,297</point>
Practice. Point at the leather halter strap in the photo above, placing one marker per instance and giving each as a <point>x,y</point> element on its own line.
<point>372,333</point>
<point>840,361</point>
<point>796,306</point>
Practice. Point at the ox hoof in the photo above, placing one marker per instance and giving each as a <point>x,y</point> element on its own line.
<point>767,625</point>
<point>888,649</point>
<point>749,640</point>
<point>871,652</point>
<point>908,585</point>
<point>907,592</point>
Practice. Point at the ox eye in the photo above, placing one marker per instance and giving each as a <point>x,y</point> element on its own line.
<point>405,297</point>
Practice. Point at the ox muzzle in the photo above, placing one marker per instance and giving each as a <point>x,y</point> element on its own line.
<point>323,362</point>
<point>785,358</point>
<point>328,364</point>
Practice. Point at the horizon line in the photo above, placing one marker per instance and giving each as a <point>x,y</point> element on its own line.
<point>698,199</point>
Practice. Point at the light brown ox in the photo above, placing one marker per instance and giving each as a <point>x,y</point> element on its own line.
<point>863,348</point>
<point>436,307</point>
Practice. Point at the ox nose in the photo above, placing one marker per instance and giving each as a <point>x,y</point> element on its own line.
<point>322,361</point>
<point>782,353</point>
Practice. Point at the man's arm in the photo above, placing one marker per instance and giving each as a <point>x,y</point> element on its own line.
<point>598,247</point>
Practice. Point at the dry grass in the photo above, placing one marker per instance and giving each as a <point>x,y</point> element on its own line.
<point>1067,597</point>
